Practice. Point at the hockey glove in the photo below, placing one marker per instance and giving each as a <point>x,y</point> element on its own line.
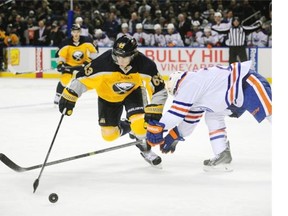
<point>154,135</point>
<point>65,68</point>
<point>170,141</point>
<point>61,67</point>
<point>153,112</point>
<point>67,101</point>
<point>236,112</point>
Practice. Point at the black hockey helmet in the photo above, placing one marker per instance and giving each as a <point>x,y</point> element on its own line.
<point>125,46</point>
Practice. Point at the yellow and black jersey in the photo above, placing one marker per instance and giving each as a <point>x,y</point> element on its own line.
<point>76,54</point>
<point>113,84</point>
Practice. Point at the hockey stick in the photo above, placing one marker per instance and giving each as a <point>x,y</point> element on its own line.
<point>36,182</point>
<point>8,162</point>
<point>6,2</point>
<point>12,70</point>
<point>250,16</point>
<point>68,68</point>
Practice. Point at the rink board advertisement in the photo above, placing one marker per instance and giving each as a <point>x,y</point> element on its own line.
<point>43,62</point>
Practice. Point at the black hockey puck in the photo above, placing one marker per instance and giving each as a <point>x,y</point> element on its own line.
<point>53,197</point>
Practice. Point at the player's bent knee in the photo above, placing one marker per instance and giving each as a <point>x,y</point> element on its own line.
<point>137,125</point>
<point>110,133</point>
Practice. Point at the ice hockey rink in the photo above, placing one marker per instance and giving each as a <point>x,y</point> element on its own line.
<point>120,182</point>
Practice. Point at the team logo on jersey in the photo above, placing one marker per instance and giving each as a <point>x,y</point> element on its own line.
<point>123,87</point>
<point>78,55</point>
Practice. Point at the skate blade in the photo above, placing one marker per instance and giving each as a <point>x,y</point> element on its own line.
<point>218,168</point>
<point>157,166</point>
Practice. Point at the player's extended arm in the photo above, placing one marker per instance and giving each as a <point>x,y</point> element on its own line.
<point>154,136</point>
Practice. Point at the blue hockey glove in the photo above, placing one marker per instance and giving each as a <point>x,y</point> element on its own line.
<point>170,141</point>
<point>154,135</point>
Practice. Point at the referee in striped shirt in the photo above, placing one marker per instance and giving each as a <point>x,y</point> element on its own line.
<point>237,38</point>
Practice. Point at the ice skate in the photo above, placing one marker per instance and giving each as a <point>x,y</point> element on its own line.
<point>152,158</point>
<point>222,162</point>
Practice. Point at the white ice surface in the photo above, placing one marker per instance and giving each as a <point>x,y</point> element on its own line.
<point>120,182</point>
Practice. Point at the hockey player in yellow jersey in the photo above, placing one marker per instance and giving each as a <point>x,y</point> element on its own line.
<point>123,79</point>
<point>72,52</point>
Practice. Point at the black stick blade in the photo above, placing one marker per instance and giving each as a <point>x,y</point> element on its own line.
<point>35,185</point>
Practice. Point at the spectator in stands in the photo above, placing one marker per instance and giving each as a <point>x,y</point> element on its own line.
<point>100,39</point>
<point>147,23</point>
<point>158,17</point>
<point>208,39</point>
<point>158,38</point>
<point>173,38</point>
<point>219,24</point>
<point>144,7</point>
<point>98,19</point>
<point>63,26</point>
<point>133,22</point>
<point>228,17</point>
<point>124,31</point>
<point>123,7</point>
<point>161,12</point>
<point>29,31</point>
<point>257,39</point>
<point>56,35</point>
<point>142,38</point>
<point>41,35</point>
<point>89,26</point>
<point>184,25</point>
<point>267,27</point>
<point>11,37</point>
<point>19,27</point>
<point>84,28</point>
<point>196,34</point>
<point>111,26</point>
<point>31,15</point>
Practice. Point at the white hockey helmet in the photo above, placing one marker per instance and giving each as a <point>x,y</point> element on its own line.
<point>124,25</point>
<point>170,26</point>
<point>172,83</point>
<point>157,26</point>
<point>98,33</point>
<point>139,26</point>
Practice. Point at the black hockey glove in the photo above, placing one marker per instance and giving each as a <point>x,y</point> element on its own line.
<point>61,67</point>
<point>236,112</point>
<point>170,141</point>
<point>65,68</point>
<point>153,112</point>
<point>67,101</point>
